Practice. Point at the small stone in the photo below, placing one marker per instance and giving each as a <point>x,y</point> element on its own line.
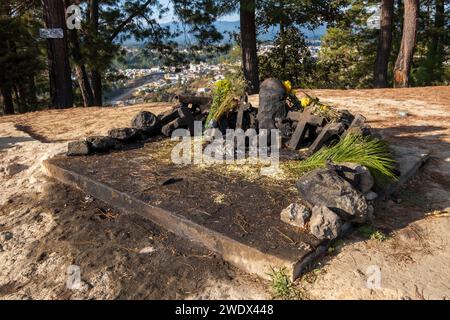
<point>147,250</point>
<point>14,169</point>
<point>147,122</point>
<point>78,148</point>
<point>296,214</point>
<point>324,223</point>
<point>370,196</point>
<point>6,236</point>
<point>123,134</point>
<point>100,143</point>
<point>1,248</point>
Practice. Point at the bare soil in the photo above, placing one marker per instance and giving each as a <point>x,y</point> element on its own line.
<point>46,227</point>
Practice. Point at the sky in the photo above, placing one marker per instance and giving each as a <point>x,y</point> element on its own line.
<point>169,17</point>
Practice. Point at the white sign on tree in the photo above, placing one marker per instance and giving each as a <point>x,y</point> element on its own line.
<point>54,33</point>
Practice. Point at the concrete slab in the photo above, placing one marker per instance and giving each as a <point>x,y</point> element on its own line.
<point>236,218</point>
<point>409,161</point>
<point>244,227</point>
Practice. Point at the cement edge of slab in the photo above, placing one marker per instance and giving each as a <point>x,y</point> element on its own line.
<point>248,259</point>
<point>242,256</point>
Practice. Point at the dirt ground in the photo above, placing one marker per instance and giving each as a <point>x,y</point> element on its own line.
<point>46,227</point>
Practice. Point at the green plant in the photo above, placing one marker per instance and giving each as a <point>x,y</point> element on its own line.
<point>372,233</point>
<point>221,90</point>
<point>366,151</point>
<point>280,284</point>
<point>335,244</point>
<point>225,96</point>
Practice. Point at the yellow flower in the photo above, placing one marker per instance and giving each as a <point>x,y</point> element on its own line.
<point>306,102</point>
<point>288,86</point>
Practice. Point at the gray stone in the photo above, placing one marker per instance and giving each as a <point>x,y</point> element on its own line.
<point>272,103</point>
<point>370,196</point>
<point>359,176</point>
<point>296,214</point>
<point>101,143</point>
<point>14,169</point>
<point>324,223</point>
<point>78,148</point>
<point>6,236</point>
<point>324,187</point>
<point>147,122</point>
<point>124,134</point>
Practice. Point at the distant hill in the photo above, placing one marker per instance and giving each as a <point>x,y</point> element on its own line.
<point>228,27</point>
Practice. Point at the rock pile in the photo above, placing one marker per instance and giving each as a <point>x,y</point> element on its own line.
<point>334,195</point>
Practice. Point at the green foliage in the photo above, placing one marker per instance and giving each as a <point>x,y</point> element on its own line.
<point>21,59</point>
<point>280,284</point>
<point>348,52</point>
<point>290,59</point>
<point>372,233</point>
<point>222,89</point>
<point>366,151</point>
<point>225,95</point>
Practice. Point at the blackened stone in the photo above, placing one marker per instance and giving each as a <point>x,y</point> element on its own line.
<point>101,144</point>
<point>78,148</point>
<point>359,176</point>
<point>187,119</point>
<point>272,103</point>
<point>168,116</point>
<point>147,122</point>
<point>324,187</point>
<point>124,134</point>
<point>171,127</point>
<point>324,223</point>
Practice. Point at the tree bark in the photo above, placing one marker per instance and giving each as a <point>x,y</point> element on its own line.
<point>248,43</point>
<point>58,58</point>
<point>80,70</point>
<point>436,46</point>
<point>384,44</point>
<point>405,55</point>
<point>96,76</point>
<point>8,105</point>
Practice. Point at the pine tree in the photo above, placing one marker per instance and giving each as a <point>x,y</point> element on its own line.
<point>409,36</point>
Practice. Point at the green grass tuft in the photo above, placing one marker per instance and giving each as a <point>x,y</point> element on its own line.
<point>370,232</point>
<point>366,151</point>
<point>280,284</point>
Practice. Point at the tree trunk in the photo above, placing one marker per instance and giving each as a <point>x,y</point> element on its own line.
<point>8,105</point>
<point>384,44</point>
<point>248,43</point>
<point>80,70</point>
<point>96,79</point>
<point>405,55</point>
<point>58,58</point>
<point>436,53</point>
<point>96,76</point>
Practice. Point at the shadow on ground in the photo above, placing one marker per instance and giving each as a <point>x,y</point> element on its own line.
<point>102,240</point>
